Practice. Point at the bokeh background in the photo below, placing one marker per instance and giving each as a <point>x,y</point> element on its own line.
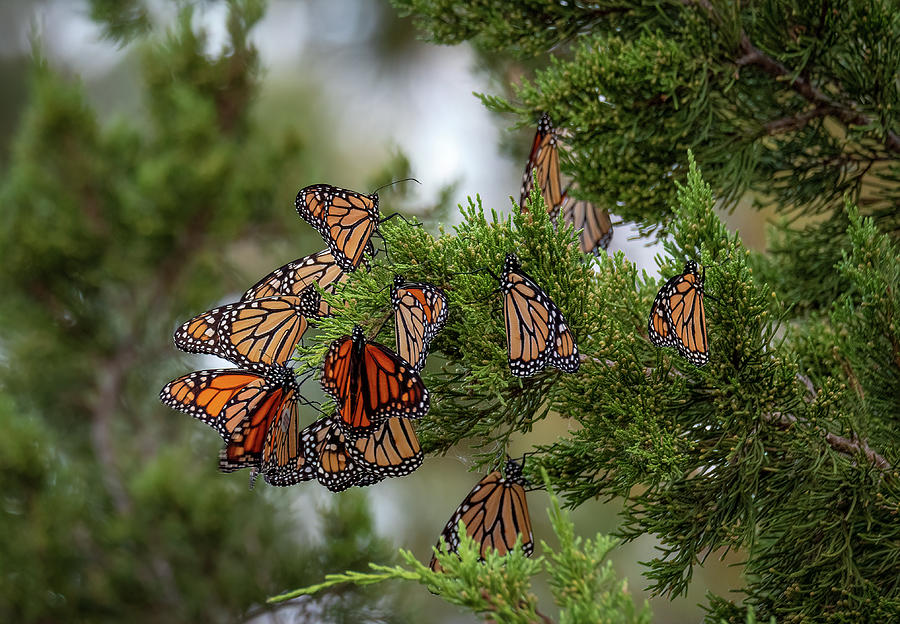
<point>112,508</point>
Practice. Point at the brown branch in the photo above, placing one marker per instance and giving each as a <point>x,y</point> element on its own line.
<point>544,618</point>
<point>806,381</point>
<point>851,446</point>
<point>751,55</point>
<point>794,122</point>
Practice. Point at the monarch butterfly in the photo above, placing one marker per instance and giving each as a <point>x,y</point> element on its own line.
<point>495,513</point>
<point>345,219</point>
<point>536,332</point>
<point>544,158</point>
<point>253,411</point>
<point>392,451</point>
<point>287,464</point>
<point>594,222</point>
<point>677,318</point>
<point>325,450</point>
<point>293,277</point>
<point>370,384</point>
<point>420,311</point>
<point>262,331</point>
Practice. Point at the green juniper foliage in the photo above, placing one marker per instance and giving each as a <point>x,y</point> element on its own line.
<point>754,451</point>
<point>583,583</point>
<point>784,446</point>
<point>794,101</point>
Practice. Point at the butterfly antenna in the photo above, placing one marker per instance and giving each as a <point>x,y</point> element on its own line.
<point>476,272</point>
<point>703,280</point>
<point>404,219</point>
<point>307,376</point>
<point>393,183</point>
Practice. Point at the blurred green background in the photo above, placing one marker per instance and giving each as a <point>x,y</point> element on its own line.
<point>147,179</point>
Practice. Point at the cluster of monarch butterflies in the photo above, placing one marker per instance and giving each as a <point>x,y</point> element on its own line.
<point>677,318</point>
<point>378,392</point>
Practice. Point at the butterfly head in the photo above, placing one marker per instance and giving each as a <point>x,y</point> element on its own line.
<point>511,263</point>
<point>514,471</point>
<point>399,281</point>
<point>310,300</point>
<point>359,337</point>
<point>545,126</point>
<point>692,268</point>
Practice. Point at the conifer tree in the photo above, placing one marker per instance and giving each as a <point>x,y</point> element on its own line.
<point>784,447</point>
<point>113,231</point>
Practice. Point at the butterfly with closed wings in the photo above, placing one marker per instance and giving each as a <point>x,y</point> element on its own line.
<point>260,331</point>
<point>495,513</point>
<point>678,319</point>
<point>537,334</point>
<point>295,277</point>
<point>594,223</point>
<point>420,311</point>
<point>345,219</point>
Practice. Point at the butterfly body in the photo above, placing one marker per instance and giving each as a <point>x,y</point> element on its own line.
<point>420,312</point>
<point>370,383</point>
<point>537,334</point>
<point>678,318</point>
<point>495,513</point>
<point>295,277</point>
<point>345,219</point>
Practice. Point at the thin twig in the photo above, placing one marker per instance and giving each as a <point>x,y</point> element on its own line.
<point>848,446</point>
<point>751,55</point>
<point>806,381</point>
<point>794,122</point>
<point>754,56</point>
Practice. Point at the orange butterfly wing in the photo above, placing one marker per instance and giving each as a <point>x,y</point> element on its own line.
<point>420,312</point>
<point>678,318</point>
<point>220,398</point>
<point>370,383</point>
<point>536,331</point>
<point>594,223</point>
<point>544,159</point>
<point>283,461</point>
<point>325,449</point>
<point>262,331</point>
<point>495,513</point>
<point>294,277</point>
<point>391,451</point>
<point>345,219</point>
